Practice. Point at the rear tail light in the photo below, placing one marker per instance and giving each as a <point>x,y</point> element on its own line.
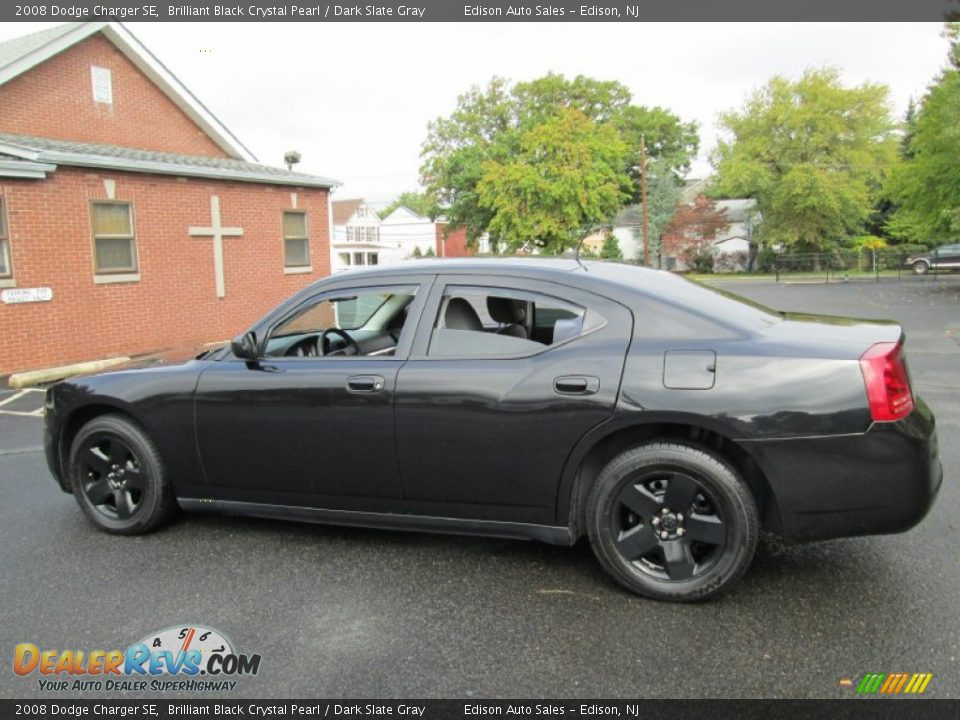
<point>887,381</point>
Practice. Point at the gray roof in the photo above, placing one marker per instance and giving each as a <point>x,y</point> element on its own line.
<point>13,50</point>
<point>738,209</point>
<point>114,157</point>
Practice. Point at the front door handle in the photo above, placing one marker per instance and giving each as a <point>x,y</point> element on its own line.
<point>576,385</point>
<point>365,383</point>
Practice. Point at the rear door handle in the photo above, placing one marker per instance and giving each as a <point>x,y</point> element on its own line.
<point>576,385</point>
<point>365,383</point>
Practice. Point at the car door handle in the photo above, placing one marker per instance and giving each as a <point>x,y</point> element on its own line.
<point>576,385</point>
<point>365,383</point>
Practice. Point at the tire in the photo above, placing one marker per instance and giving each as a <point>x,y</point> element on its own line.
<point>920,268</point>
<point>118,478</point>
<point>685,553</point>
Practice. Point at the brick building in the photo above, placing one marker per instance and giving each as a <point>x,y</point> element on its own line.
<point>131,219</point>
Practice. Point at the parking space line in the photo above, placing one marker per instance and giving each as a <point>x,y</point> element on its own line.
<point>21,413</point>
<point>18,395</point>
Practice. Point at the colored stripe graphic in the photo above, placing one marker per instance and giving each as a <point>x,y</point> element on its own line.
<point>894,683</point>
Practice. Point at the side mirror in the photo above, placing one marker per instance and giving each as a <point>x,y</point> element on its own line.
<point>245,346</point>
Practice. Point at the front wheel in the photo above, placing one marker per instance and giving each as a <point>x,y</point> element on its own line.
<point>117,477</point>
<point>920,268</point>
<point>672,522</point>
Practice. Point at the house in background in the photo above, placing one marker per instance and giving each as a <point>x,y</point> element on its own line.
<point>131,219</point>
<point>411,233</point>
<point>357,237</point>
<point>731,247</point>
<point>452,242</point>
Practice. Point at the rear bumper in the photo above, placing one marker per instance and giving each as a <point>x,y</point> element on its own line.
<point>882,481</point>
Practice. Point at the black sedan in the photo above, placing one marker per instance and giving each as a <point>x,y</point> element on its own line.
<point>542,399</point>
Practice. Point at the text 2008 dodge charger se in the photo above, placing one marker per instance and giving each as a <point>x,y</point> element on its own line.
<point>522,398</point>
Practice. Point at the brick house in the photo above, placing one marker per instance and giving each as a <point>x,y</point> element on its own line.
<point>131,219</point>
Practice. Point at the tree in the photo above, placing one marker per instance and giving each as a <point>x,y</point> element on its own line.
<point>488,126</point>
<point>812,152</point>
<point>663,192</point>
<point>926,187</point>
<point>610,250</point>
<point>420,202</point>
<point>691,231</point>
<point>567,173</point>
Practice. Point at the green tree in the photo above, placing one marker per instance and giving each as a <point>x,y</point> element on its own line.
<point>489,126</point>
<point>568,173</point>
<point>420,202</point>
<point>610,250</point>
<point>812,152</point>
<point>663,193</point>
<point>926,187</point>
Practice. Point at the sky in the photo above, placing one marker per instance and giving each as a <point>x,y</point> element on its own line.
<point>355,98</point>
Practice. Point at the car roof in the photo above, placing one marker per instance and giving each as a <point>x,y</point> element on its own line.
<point>585,273</point>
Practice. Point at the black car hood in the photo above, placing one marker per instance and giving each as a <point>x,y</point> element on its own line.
<point>171,356</point>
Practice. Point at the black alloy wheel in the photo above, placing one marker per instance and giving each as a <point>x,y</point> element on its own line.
<point>117,476</point>
<point>111,476</point>
<point>672,521</point>
<point>668,525</point>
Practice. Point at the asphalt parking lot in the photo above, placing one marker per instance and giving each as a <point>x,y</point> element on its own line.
<point>358,613</point>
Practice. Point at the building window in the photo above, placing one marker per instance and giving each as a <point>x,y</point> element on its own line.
<point>6,270</point>
<point>102,85</point>
<point>358,259</point>
<point>373,258</point>
<point>296,245</point>
<point>114,245</point>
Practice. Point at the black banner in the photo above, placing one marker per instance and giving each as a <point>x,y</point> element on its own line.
<point>472,709</point>
<point>478,10</point>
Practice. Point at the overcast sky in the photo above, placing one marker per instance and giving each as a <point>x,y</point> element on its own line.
<point>355,99</point>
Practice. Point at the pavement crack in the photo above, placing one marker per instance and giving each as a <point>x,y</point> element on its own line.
<point>22,451</point>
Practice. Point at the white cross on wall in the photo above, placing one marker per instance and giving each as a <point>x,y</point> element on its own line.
<point>218,233</point>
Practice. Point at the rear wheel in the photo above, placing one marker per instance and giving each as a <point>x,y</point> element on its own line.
<point>921,268</point>
<point>117,477</point>
<point>672,522</point>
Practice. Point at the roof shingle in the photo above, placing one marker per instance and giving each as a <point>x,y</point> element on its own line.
<point>70,152</point>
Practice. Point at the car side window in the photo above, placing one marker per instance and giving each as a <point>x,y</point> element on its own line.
<point>359,322</point>
<point>502,322</point>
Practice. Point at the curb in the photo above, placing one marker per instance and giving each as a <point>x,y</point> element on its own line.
<point>47,375</point>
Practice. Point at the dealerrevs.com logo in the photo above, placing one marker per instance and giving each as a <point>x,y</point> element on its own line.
<point>186,658</point>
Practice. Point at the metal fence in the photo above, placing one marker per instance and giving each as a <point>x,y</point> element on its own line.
<point>846,265</point>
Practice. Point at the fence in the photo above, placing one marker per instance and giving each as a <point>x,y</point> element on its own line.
<point>845,265</point>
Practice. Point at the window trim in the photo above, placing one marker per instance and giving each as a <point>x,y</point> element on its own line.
<point>109,272</point>
<point>296,267</point>
<point>7,254</point>
<point>482,284</point>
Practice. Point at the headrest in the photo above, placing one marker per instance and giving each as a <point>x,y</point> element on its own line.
<point>460,315</point>
<point>506,310</point>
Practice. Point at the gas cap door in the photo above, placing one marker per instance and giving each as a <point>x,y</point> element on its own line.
<point>689,369</point>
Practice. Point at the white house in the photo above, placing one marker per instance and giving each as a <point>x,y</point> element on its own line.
<point>357,238</point>
<point>734,242</point>
<point>406,230</point>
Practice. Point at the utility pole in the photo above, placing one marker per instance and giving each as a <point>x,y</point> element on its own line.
<point>643,201</point>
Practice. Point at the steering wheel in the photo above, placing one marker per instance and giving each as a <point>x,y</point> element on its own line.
<point>323,343</point>
<point>304,348</point>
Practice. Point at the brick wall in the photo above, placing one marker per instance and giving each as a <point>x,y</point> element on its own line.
<point>174,303</point>
<point>452,242</point>
<point>55,100</point>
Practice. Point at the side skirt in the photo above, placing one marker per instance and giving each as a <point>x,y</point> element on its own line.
<point>385,521</point>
